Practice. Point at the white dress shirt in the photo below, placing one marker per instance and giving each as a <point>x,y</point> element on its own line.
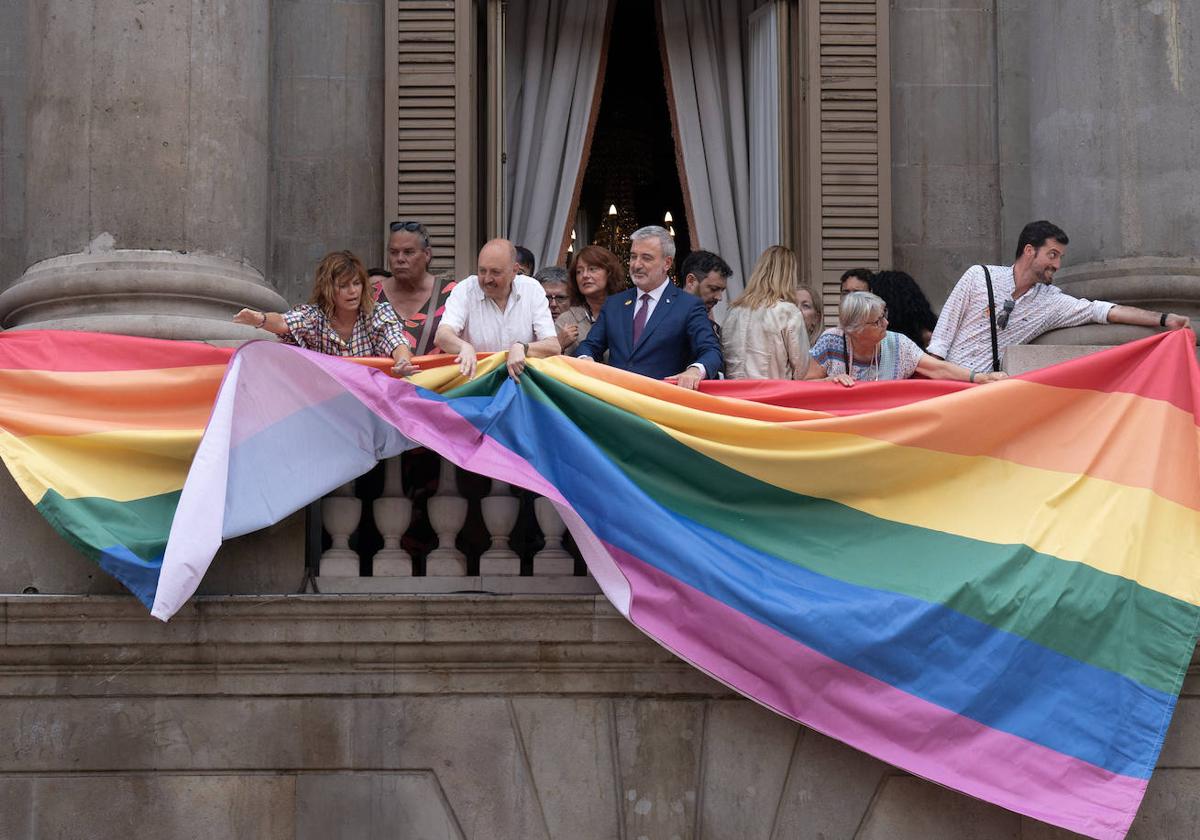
<point>477,319</point>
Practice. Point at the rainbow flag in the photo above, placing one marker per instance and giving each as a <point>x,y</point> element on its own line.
<point>993,587</point>
<point>99,431</point>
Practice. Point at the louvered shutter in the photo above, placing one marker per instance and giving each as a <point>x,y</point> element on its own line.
<point>850,141</point>
<point>430,142</point>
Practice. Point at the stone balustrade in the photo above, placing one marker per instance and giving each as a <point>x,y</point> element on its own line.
<point>471,534</point>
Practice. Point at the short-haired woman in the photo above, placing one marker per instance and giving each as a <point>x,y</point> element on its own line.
<point>862,348</point>
<point>764,335</point>
<point>341,318</point>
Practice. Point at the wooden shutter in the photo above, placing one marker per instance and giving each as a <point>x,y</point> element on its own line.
<point>849,141</point>
<point>430,142</point>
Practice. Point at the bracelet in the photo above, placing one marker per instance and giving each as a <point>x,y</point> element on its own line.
<point>263,322</point>
<point>972,379</point>
<point>1162,322</point>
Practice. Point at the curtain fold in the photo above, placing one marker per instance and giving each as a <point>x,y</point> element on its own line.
<point>715,104</point>
<point>553,54</point>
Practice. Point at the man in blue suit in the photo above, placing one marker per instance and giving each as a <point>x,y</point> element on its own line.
<point>655,329</point>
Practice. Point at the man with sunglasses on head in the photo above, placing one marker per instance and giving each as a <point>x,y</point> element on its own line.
<point>418,297</point>
<point>1026,304</point>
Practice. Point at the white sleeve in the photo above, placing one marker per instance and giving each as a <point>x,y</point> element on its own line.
<point>454,315</point>
<point>543,322</point>
<point>953,312</point>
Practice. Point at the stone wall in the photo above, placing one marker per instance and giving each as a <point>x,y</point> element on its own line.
<point>945,178</point>
<point>454,717</point>
<point>326,137</point>
<point>12,140</point>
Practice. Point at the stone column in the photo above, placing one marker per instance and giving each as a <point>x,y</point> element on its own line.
<point>1113,94</point>
<point>147,168</point>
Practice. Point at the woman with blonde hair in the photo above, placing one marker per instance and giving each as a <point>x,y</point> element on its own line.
<point>764,335</point>
<point>809,301</point>
<point>342,318</point>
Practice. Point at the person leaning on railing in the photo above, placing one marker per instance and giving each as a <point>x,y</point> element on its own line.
<point>342,318</point>
<point>864,349</point>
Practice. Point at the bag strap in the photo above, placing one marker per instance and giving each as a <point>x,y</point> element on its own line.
<point>987,276</point>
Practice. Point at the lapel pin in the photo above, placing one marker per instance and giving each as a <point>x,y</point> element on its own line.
<point>629,303</point>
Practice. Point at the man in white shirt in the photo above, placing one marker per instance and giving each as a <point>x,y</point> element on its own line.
<point>497,309</point>
<point>1026,303</point>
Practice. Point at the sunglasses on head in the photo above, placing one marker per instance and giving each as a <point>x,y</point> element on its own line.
<point>412,227</point>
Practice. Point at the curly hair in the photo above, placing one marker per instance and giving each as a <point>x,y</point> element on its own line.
<point>599,257</point>
<point>908,309</point>
<point>334,269</point>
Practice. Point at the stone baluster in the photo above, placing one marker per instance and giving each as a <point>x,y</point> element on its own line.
<point>340,514</point>
<point>500,509</point>
<point>393,513</point>
<point>553,559</point>
<point>447,515</point>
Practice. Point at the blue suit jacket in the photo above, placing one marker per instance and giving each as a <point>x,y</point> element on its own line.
<point>677,334</point>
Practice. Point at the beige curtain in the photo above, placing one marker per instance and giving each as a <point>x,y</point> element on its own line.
<point>552,60</point>
<point>726,121</point>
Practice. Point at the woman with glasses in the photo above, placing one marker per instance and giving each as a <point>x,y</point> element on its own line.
<point>341,318</point>
<point>863,349</point>
<point>765,335</point>
<point>418,297</point>
<point>595,274</point>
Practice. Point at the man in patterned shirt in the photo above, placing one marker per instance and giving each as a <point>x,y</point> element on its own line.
<point>1027,305</point>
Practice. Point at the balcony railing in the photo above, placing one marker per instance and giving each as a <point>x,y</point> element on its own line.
<point>418,524</point>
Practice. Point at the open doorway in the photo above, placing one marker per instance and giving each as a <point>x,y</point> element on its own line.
<point>632,178</point>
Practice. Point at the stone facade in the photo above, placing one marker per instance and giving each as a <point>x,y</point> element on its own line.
<point>162,164</point>
<point>456,717</point>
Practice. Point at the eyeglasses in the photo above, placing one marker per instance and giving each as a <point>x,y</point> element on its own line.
<point>880,321</point>
<point>557,298</point>
<point>1002,318</point>
<point>411,227</point>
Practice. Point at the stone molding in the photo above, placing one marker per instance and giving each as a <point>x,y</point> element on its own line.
<point>1158,283</point>
<point>159,294</point>
<point>335,645</point>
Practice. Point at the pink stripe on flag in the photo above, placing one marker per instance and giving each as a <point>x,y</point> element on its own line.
<point>873,716</point>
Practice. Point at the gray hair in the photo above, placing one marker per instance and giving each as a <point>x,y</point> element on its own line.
<point>659,233</point>
<point>551,274</point>
<point>859,309</point>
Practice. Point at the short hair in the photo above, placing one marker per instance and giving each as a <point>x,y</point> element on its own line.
<point>551,274</point>
<point>525,257</point>
<point>656,232</point>
<point>774,278</point>
<point>410,227</point>
<point>600,257</point>
<point>1036,234</point>
<point>863,274</point>
<point>378,272</point>
<point>332,268</point>
<point>858,309</point>
<point>701,263</point>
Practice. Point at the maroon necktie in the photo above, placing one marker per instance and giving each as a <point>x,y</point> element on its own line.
<point>639,318</point>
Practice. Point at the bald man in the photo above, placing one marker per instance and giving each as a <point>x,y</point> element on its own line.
<point>497,309</point>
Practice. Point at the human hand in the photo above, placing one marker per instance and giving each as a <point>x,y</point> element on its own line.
<point>991,376</point>
<point>404,366</point>
<point>568,335</point>
<point>843,379</point>
<point>1178,322</point>
<point>466,360</point>
<point>250,317</point>
<point>689,379</point>
<point>516,360</point>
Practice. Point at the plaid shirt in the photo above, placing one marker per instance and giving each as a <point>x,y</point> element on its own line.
<point>377,336</point>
